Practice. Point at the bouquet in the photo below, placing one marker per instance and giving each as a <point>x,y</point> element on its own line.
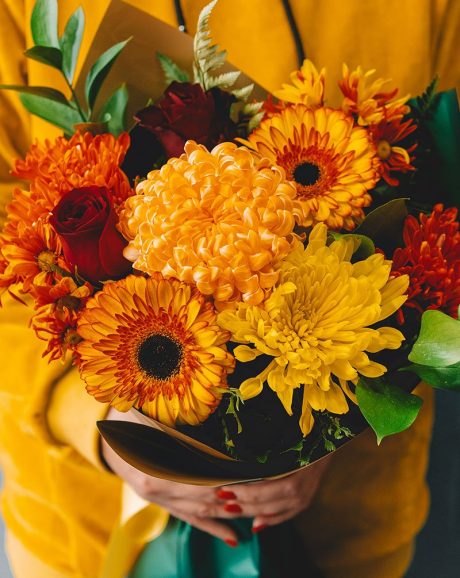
<point>257,278</point>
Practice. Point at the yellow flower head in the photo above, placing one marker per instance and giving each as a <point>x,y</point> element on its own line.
<point>317,325</point>
<point>221,220</point>
<point>307,86</point>
<point>154,344</point>
<point>332,163</point>
<point>367,99</point>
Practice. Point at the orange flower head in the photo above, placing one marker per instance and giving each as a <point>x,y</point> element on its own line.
<point>332,163</point>
<point>367,100</point>
<point>221,220</point>
<point>154,344</point>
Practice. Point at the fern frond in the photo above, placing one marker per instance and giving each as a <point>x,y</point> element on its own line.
<point>255,121</point>
<point>207,56</point>
<point>243,93</point>
<point>223,81</point>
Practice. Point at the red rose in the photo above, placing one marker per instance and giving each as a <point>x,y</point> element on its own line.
<point>85,221</point>
<point>187,112</point>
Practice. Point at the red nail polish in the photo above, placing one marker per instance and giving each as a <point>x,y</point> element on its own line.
<point>224,495</point>
<point>257,529</point>
<point>230,542</point>
<point>233,508</point>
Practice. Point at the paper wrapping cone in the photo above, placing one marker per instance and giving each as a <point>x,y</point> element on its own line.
<point>137,66</point>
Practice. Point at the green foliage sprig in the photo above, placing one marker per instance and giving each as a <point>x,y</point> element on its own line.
<point>62,54</point>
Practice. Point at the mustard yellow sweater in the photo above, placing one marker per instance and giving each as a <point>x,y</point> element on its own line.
<point>60,506</point>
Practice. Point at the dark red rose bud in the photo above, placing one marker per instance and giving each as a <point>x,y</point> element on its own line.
<point>85,221</point>
<point>187,112</point>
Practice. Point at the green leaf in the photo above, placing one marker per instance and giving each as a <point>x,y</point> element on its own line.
<point>44,23</point>
<point>114,110</point>
<point>384,225</point>
<point>61,115</point>
<point>42,91</point>
<point>171,71</point>
<point>439,377</point>
<point>46,55</point>
<point>438,344</point>
<point>70,43</point>
<point>387,408</point>
<point>100,70</point>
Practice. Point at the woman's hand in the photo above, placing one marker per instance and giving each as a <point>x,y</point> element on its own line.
<point>274,501</point>
<point>269,502</point>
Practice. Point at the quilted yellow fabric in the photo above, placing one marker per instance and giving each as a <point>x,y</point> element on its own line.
<point>60,506</point>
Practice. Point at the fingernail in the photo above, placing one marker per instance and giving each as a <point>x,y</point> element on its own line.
<point>224,495</point>
<point>230,542</point>
<point>233,508</point>
<point>256,529</point>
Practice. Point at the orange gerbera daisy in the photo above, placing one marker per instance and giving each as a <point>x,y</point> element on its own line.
<point>368,100</point>
<point>332,163</point>
<point>221,220</point>
<point>154,344</point>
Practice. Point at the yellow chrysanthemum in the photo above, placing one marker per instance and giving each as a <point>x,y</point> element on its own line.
<point>221,220</point>
<point>307,86</point>
<point>317,325</point>
<point>332,163</point>
<point>154,344</point>
<point>367,100</point>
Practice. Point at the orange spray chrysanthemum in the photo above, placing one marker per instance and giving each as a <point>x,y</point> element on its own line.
<point>393,158</point>
<point>367,100</point>
<point>221,220</point>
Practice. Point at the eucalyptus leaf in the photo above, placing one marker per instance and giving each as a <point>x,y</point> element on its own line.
<point>70,43</point>
<point>46,55</point>
<point>44,22</point>
<point>114,110</point>
<point>171,71</point>
<point>439,377</point>
<point>438,343</point>
<point>388,409</point>
<point>42,91</point>
<point>384,225</point>
<point>100,70</point>
<point>61,115</point>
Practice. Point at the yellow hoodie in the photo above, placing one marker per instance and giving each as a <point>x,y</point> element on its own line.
<point>60,506</point>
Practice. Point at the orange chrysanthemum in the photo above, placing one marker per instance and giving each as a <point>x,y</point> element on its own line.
<point>154,344</point>
<point>55,168</point>
<point>307,86</point>
<point>368,100</point>
<point>332,162</point>
<point>221,220</point>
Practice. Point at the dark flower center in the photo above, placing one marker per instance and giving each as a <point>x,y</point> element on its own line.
<point>160,356</point>
<point>306,174</point>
